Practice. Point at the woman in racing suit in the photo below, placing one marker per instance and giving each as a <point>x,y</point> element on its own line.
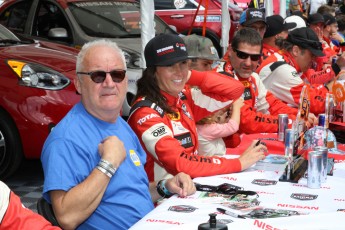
<point>165,111</point>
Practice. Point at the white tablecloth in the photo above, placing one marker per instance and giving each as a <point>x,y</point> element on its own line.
<point>326,209</point>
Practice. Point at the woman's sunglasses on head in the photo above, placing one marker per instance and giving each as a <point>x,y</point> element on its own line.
<point>244,55</point>
<point>99,76</point>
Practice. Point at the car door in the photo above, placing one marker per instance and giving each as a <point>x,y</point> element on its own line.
<point>36,19</point>
<point>177,13</point>
<point>15,17</point>
<point>50,22</point>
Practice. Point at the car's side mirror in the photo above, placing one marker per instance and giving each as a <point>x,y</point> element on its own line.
<point>56,33</point>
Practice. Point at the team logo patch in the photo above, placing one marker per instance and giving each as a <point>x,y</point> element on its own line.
<point>182,208</point>
<point>134,157</point>
<point>303,196</point>
<point>263,182</point>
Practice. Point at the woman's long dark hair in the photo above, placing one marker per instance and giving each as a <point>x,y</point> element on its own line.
<point>148,87</point>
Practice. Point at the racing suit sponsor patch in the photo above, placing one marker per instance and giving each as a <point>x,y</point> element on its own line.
<point>247,95</point>
<point>152,135</point>
<point>142,120</point>
<point>160,131</point>
<point>178,128</point>
<point>185,140</point>
<point>174,117</point>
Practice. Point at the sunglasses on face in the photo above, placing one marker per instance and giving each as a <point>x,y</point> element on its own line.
<point>99,76</point>
<point>244,55</point>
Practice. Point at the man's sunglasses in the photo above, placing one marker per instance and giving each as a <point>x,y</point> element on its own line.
<point>99,76</point>
<point>244,55</point>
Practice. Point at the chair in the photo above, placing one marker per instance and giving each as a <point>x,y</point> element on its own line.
<point>46,210</point>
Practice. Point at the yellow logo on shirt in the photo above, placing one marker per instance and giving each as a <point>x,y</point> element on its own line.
<point>134,157</point>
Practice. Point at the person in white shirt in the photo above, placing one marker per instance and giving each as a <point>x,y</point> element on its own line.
<point>315,4</point>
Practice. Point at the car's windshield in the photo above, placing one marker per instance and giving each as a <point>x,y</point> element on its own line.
<point>5,34</point>
<point>111,18</point>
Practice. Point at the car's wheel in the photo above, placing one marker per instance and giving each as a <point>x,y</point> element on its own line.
<point>11,152</point>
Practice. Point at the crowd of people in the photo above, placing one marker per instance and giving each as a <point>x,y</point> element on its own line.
<point>191,107</point>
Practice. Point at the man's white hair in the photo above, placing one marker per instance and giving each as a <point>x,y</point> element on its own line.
<point>99,42</point>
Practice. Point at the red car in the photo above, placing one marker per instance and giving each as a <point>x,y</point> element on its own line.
<point>36,91</point>
<point>241,3</point>
<point>74,22</point>
<point>181,13</point>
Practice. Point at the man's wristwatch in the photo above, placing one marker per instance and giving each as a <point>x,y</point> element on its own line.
<point>162,190</point>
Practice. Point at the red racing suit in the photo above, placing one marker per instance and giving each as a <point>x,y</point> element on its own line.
<point>171,142</point>
<point>281,75</point>
<point>268,50</point>
<point>259,114</point>
<point>13,215</point>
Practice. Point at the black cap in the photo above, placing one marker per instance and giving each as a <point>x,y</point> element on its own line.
<point>307,39</point>
<point>276,25</point>
<point>329,19</point>
<point>315,18</point>
<point>165,50</point>
<point>252,15</point>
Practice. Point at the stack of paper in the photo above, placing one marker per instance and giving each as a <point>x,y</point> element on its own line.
<point>272,162</point>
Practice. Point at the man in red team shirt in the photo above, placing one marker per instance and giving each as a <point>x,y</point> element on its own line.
<point>13,214</point>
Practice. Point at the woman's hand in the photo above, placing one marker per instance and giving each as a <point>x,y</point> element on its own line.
<point>252,154</point>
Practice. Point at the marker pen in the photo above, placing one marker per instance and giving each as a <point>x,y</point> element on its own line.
<point>230,213</point>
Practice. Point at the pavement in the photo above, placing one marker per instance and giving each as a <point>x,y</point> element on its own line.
<point>27,183</point>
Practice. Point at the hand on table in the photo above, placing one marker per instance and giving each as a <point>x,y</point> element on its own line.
<point>252,154</point>
<point>181,184</point>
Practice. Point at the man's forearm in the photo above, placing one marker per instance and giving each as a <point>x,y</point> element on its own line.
<point>75,206</point>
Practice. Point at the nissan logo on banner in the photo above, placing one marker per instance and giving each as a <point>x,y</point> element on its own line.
<point>302,196</point>
<point>264,182</point>
<point>182,208</point>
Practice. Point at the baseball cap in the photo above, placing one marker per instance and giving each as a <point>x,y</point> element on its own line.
<point>252,15</point>
<point>329,19</point>
<point>200,47</point>
<point>315,18</point>
<point>276,25</point>
<point>306,38</point>
<point>165,50</point>
<point>296,19</point>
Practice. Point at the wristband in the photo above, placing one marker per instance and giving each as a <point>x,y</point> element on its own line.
<point>162,190</point>
<point>104,171</point>
<point>106,167</point>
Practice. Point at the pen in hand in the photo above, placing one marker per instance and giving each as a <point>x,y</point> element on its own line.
<point>230,213</point>
<point>257,143</point>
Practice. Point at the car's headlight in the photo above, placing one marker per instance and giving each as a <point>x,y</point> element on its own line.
<point>132,59</point>
<point>39,76</point>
